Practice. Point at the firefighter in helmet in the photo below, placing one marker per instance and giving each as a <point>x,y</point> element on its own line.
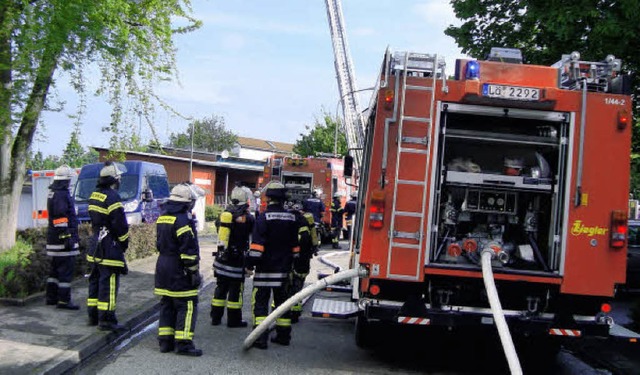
<point>109,243</point>
<point>349,211</point>
<point>336,220</point>
<point>62,240</point>
<point>314,205</point>
<point>236,225</point>
<point>177,272</point>
<point>273,247</point>
<point>307,239</point>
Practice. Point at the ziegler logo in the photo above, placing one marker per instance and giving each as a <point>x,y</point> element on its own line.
<point>578,229</point>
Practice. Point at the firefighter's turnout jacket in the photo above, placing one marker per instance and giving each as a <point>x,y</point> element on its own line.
<point>350,210</point>
<point>62,232</point>
<point>315,206</point>
<point>62,244</point>
<point>305,227</point>
<point>336,213</point>
<point>110,229</point>
<point>274,243</point>
<point>229,262</point>
<point>179,251</point>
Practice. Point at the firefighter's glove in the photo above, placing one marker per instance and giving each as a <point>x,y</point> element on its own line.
<point>124,245</point>
<point>195,279</point>
<point>125,269</point>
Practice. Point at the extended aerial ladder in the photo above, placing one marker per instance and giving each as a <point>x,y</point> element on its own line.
<point>353,125</point>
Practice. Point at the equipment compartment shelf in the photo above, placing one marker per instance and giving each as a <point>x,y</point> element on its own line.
<point>501,137</point>
<point>499,181</point>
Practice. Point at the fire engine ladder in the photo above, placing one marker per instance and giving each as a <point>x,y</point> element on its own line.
<point>412,158</point>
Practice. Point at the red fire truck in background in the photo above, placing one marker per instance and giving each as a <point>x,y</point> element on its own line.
<point>530,162</point>
<point>301,176</point>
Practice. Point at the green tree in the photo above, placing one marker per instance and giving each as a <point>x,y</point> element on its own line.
<point>130,41</point>
<point>75,155</point>
<point>37,162</point>
<point>321,138</point>
<point>544,31</point>
<point>209,134</point>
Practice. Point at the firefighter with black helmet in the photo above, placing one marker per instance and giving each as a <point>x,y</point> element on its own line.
<point>110,240</point>
<point>178,276</point>
<point>234,231</point>
<point>62,239</point>
<point>315,206</point>
<point>301,264</point>
<point>273,247</point>
<point>336,220</point>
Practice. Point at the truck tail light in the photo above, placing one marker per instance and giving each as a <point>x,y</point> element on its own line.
<point>389,96</point>
<point>376,209</point>
<point>618,229</point>
<point>623,119</point>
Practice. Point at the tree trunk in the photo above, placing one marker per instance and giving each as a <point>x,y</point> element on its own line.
<point>14,149</point>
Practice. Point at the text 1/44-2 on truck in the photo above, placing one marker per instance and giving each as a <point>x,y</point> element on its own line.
<point>527,163</point>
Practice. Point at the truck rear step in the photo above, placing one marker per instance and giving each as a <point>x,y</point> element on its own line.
<point>336,306</point>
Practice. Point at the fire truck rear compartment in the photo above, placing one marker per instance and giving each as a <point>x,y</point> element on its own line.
<point>497,187</point>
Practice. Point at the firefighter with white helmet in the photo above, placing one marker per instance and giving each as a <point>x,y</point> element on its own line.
<point>336,220</point>
<point>273,247</point>
<point>234,231</point>
<point>110,241</point>
<point>178,276</point>
<point>62,239</point>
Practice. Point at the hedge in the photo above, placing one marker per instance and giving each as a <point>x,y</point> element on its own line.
<point>25,267</point>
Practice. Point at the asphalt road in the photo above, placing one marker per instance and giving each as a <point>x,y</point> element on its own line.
<point>318,346</point>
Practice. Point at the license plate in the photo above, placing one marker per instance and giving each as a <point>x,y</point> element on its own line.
<point>510,92</point>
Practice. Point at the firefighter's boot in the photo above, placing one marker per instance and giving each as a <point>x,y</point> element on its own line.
<point>93,316</point>
<point>234,319</point>
<point>52,294</point>
<point>283,336</point>
<point>108,322</point>
<point>167,345</point>
<point>67,306</point>
<point>216,315</point>
<point>261,342</point>
<point>187,348</point>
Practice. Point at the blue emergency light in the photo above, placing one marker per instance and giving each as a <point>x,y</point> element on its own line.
<point>473,69</point>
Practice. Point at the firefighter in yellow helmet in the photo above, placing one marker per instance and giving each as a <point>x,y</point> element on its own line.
<point>273,247</point>
<point>178,276</point>
<point>234,231</point>
<point>111,240</point>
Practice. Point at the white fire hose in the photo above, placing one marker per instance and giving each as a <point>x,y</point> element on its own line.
<point>301,295</point>
<point>498,315</point>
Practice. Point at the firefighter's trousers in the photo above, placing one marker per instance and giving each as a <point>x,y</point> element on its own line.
<point>260,303</point>
<point>335,235</point>
<point>297,282</point>
<point>104,282</point>
<point>178,320</point>
<point>228,293</point>
<point>59,281</point>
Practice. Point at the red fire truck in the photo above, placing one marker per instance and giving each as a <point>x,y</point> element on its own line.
<point>301,176</point>
<point>529,162</point>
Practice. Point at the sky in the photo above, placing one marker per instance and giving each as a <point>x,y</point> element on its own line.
<point>266,66</point>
